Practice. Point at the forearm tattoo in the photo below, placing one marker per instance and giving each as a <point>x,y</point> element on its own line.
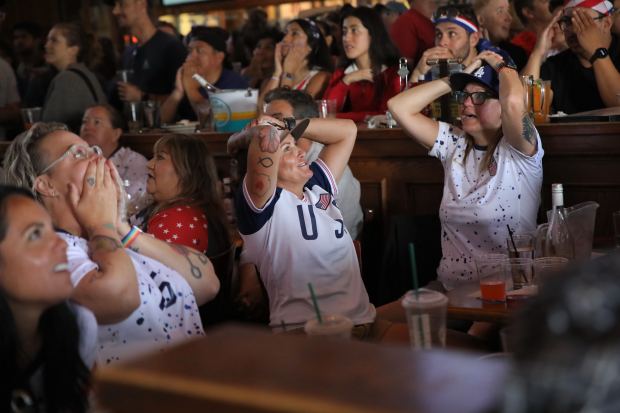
<point>262,183</point>
<point>265,162</point>
<point>104,243</point>
<point>529,131</point>
<point>189,255</point>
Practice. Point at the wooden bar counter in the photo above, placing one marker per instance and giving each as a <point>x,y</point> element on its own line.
<point>398,177</point>
<point>243,369</point>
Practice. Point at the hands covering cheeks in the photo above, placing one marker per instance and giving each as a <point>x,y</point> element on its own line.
<point>592,32</point>
<point>96,205</point>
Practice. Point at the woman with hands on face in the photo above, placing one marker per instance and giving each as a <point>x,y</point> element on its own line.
<point>143,292</point>
<point>301,60</point>
<point>368,79</point>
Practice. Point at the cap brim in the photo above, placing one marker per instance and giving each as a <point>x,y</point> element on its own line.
<point>458,81</point>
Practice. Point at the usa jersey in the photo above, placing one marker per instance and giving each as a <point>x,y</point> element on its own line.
<point>294,242</point>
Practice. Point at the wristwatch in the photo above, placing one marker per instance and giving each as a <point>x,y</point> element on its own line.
<point>599,54</point>
<point>503,65</point>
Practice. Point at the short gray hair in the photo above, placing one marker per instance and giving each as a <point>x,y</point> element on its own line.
<point>23,159</point>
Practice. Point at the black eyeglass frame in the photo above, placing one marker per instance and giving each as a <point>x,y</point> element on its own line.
<point>477,98</point>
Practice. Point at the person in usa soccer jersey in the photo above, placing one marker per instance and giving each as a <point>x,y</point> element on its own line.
<point>292,228</point>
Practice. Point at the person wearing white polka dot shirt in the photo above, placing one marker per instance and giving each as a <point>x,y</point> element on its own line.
<point>492,162</point>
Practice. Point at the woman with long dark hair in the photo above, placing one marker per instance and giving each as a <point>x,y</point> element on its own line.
<point>368,77</point>
<point>47,345</point>
<point>187,207</point>
<point>302,60</point>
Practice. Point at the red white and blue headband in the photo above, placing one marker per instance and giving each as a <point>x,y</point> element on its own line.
<point>602,6</point>
<point>469,26</point>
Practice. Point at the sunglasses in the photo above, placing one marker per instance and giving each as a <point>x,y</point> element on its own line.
<point>477,98</point>
<point>451,12</point>
<point>77,152</point>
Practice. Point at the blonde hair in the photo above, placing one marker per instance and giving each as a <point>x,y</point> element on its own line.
<point>23,160</point>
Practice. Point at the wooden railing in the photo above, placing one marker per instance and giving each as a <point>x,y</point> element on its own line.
<point>398,177</point>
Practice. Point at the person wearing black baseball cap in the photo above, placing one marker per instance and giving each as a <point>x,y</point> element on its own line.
<point>206,57</point>
<point>492,162</point>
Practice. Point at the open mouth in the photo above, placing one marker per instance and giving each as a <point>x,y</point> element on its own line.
<point>302,164</point>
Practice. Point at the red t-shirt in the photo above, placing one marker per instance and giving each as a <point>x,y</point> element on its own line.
<point>526,40</point>
<point>358,100</point>
<point>413,33</point>
<point>185,225</point>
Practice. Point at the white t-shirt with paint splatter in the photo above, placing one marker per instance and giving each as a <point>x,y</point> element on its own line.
<point>167,314</point>
<point>476,206</point>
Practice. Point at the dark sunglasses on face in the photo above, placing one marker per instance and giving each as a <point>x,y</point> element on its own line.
<point>477,98</point>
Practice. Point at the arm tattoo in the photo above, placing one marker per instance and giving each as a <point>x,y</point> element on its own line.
<point>262,183</point>
<point>104,243</point>
<point>265,162</point>
<point>529,131</point>
<point>110,226</point>
<point>188,254</point>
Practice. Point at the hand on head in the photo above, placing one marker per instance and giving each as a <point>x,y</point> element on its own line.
<point>485,57</point>
<point>267,129</point>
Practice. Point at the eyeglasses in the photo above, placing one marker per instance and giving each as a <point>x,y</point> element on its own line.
<point>77,152</point>
<point>566,21</point>
<point>477,98</point>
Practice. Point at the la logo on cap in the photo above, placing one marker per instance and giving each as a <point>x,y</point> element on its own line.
<point>479,73</point>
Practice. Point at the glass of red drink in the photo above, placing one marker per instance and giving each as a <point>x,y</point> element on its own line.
<point>494,281</point>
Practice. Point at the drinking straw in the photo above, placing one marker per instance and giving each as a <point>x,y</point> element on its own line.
<point>512,240</point>
<point>414,275</point>
<point>414,269</point>
<point>315,303</point>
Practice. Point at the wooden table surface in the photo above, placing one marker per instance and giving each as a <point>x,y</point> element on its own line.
<point>463,306</point>
<point>239,368</point>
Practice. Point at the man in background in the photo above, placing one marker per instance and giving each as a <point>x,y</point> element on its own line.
<point>413,32</point>
<point>153,60</point>
<point>585,76</point>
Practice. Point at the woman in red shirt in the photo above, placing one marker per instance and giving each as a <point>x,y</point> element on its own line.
<point>187,207</point>
<point>369,76</point>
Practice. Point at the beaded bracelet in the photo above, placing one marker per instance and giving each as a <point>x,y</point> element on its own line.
<point>131,236</point>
